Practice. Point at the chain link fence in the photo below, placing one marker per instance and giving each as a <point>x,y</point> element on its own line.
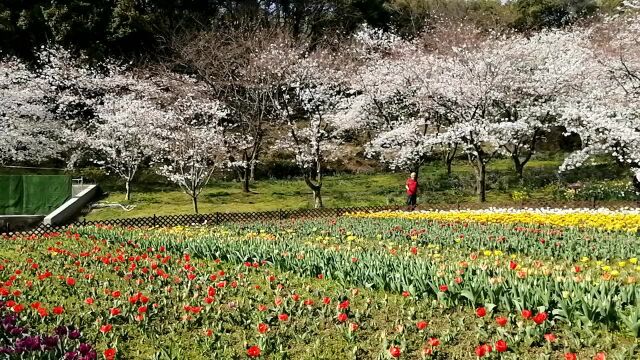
<point>279,215</point>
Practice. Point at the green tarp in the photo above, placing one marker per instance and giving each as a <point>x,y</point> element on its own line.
<point>33,194</point>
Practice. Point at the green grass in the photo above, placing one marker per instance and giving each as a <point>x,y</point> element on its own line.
<point>338,191</point>
<point>152,194</point>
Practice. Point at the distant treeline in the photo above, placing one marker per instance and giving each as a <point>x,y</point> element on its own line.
<point>138,29</point>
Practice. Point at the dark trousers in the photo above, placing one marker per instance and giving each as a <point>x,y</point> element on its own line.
<point>412,200</point>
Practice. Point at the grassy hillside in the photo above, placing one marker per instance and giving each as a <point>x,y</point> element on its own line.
<point>541,183</point>
<point>153,195</point>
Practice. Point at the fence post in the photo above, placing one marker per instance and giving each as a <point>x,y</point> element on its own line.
<point>217,218</point>
<point>280,215</point>
<point>593,202</point>
<point>338,212</point>
<point>154,220</point>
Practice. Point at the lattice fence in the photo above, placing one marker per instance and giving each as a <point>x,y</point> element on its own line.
<point>279,215</point>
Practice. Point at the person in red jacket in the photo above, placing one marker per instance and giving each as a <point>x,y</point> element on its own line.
<point>412,191</point>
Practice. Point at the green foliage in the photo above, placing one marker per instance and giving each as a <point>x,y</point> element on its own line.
<point>537,14</point>
<point>133,28</point>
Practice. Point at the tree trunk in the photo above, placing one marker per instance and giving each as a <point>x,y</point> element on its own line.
<point>481,181</point>
<point>195,203</point>
<point>245,179</point>
<point>128,187</point>
<point>449,156</point>
<point>316,188</point>
<point>519,166</point>
<point>252,173</point>
<point>636,183</point>
<point>244,173</point>
<point>317,198</point>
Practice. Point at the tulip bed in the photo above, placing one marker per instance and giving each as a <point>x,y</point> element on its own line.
<point>352,287</point>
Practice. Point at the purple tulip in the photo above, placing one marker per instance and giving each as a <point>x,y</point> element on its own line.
<point>71,355</point>
<point>74,334</point>
<point>84,348</point>
<point>61,330</point>
<point>50,341</point>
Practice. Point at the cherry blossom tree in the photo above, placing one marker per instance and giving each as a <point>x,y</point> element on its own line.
<point>124,135</point>
<point>540,69</point>
<point>311,88</point>
<point>229,64</point>
<point>386,84</point>
<point>190,145</point>
<point>605,109</point>
<point>28,132</point>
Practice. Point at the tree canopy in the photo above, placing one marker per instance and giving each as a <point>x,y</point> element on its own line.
<point>138,28</point>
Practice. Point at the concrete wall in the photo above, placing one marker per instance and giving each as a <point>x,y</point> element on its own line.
<point>70,208</point>
<point>11,223</point>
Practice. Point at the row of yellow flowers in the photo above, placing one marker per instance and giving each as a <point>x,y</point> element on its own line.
<point>622,220</point>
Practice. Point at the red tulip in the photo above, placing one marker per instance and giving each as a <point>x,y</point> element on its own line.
<point>550,337</point>
<point>326,300</point>
<point>501,320</point>
<point>89,301</point>
<point>110,354</point>
<point>526,314</point>
<point>105,328</point>
<point>434,342</point>
<point>513,265</point>
<point>342,317</point>
<point>115,312</point>
<point>444,288</point>
<point>600,356</point>
<point>142,309</point>
<point>480,351</point>
<point>58,310</point>
<point>71,281</point>
<point>540,318</point>
<point>283,317</point>
<point>353,327</point>
<point>481,312</point>
<point>344,305</point>
<point>406,294</point>
<point>253,351</point>
<point>570,356</point>
<point>421,325</point>
<point>395,352</point>
<point>501,346</point>
<point>263,328</point>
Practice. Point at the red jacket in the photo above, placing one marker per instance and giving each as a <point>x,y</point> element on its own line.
<point>412,186</point>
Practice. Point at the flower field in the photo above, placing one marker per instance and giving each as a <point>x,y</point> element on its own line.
<point>365,286</point>
<point>604,219</point>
